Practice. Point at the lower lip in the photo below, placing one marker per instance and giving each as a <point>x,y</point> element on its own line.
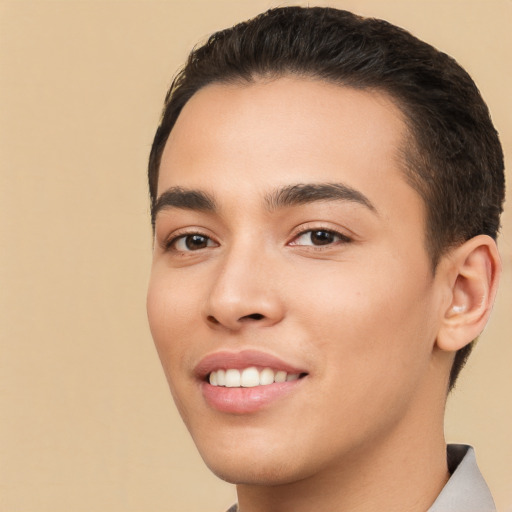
<point>246,400</point>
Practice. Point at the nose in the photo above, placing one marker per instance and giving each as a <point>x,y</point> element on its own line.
<point>244,292</point>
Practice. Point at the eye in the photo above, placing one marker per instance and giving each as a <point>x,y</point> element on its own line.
<point>191,242</point>
<point>319,237</point>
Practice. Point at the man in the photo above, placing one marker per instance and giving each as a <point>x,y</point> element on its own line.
<point>326,193</point>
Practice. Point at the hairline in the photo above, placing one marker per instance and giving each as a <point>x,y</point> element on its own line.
<point>407,153</point>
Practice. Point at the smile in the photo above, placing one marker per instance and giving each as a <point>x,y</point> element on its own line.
<point>249,377</point>
<point>247,381</point>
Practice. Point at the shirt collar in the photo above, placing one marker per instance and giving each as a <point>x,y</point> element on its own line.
<point>466,490</point>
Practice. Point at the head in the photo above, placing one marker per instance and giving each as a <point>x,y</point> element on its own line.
<point>452,155</point>
<point>325,193</point>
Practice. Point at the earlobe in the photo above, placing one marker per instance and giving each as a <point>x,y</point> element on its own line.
<point>474,269</point>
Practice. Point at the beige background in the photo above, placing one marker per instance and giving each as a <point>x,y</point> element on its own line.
<point>86,420</point>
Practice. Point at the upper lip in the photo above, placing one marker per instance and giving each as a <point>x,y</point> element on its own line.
<point>239,360</point>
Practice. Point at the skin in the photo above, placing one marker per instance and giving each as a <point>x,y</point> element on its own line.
<point>363,314</point>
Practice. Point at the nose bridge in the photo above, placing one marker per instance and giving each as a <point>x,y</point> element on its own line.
<point>244,289</point>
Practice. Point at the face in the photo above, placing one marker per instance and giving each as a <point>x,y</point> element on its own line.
<point>290,270</point>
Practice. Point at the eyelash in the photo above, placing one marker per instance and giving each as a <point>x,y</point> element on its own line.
<point>170,245</point>
<point>341,238</point>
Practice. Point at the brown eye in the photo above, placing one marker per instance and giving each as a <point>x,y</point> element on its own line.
<point>319,237</point>
<point>192,242</point>
<point>322,237</point>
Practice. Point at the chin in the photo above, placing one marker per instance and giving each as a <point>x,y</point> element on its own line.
<point>256,465</point>
<point>264,473</point>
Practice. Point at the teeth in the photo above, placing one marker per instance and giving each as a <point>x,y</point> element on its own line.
<point>249,377</point>
<point>280,376</point>
<point>266,377</point>
<point>221,377</point>
<point>232,378</point>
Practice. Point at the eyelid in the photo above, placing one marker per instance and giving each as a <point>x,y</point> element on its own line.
<point>168,242</point>
<point>345,234</point>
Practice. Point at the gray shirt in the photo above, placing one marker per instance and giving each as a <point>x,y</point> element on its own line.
<point>465,491</point>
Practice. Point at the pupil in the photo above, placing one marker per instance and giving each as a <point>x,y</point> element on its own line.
<point>321,237</point>
<point>196,242</point>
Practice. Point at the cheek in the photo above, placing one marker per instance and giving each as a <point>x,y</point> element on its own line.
<point>377,325</point>
<point>172,300</point>
<point>169,323</point>
<point>158,304</point>
<point>168,318</point>
<point>373,349</point>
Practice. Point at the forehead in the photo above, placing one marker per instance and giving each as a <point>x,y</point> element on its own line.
<point>245,138</point>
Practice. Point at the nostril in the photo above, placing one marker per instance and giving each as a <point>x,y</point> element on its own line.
<point>238,323</point>
<point>254,316</point>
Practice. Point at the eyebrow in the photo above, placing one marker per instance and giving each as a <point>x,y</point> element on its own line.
<point>285,197</point>
<point>186,199</point>
<point>299,194</point>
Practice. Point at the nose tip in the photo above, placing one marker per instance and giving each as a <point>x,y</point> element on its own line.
<point>229,318</point>
<point>234,302</point>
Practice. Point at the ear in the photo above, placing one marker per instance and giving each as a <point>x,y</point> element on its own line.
<point>472,271</point>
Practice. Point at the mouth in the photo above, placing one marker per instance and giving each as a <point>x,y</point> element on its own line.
<point>247,381</point>
<point>250,377</point>
<point>246,368</point>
